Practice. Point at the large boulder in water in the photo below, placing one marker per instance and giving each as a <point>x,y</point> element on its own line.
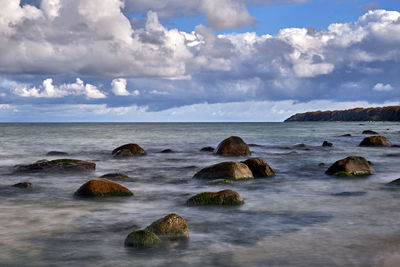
<point>101,188</point>
<point>172,227</point>
<point>259,167</point>
<point>350,166</point>
<point>224,197</point>
<point>377,140</point>
<point>63,165</point>
<point>142,239</point>
<point>230,170</point>
<point>233,146</point>
<point>128,150</point>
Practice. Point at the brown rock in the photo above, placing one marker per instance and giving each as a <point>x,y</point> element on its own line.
<point>114,176</point>
<point>350,166</point>
<point>224,197</point>
<point>128,150</point>
<point>377,140</point>
<point>102,187</point>
<point>233,146</point>
<point>230,170</point>
<point>259,167</point>
<point>369,132</point>
<point>68,165</point>
<point>171,226</point>
<point>207,149</point>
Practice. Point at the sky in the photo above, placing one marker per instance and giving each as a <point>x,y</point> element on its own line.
<point>195,61</point>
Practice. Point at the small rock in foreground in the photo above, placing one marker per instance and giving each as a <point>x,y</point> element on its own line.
<point>224,197</point>
<point>172,227</point>
<point>102,188</point>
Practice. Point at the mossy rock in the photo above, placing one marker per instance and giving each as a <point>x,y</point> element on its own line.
<point>220,181</point>
<point>102,188</point>
<point>356,166</point>
<point>343,174</point>
<point>142,239</point>
<point>63,165</point>
<point>224,197</point>
<point>172,227</point>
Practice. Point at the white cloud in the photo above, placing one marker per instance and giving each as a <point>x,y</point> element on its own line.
<point>382,87</point>
<point>48,90</point>
<point>119,87</point>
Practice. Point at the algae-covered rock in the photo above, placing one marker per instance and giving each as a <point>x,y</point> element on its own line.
<point>114,176</point>
<point>354,166</point>
<point>172,227</point>
<point>224,197</point>
<point>102,188</point>
<point>233,146</point>
<point>128,150</point>
<point>377,140</point>
<point>142,239</point>
<point>68,165</point>
<point>259,168</point>
<point>230,170</point>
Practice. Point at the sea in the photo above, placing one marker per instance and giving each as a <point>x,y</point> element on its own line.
<point>300,217</point>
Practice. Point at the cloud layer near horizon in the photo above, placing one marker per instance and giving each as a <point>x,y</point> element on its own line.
<point>49,48</point>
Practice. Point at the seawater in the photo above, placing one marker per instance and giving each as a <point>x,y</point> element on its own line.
<point>299,217</point>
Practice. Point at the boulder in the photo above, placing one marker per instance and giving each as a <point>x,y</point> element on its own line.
<point>57,153</point>
<point>69,165</point>
<point>230,170</point>
<point>327,144</point>
<point>101,188</point>
<point>259,167</point>
<point>369,132</point>
<point>233,146</point>
<point>114,176</point>
<point>128,150</point>
<point>350,166</point>
<point>224,197</point>
<point>172,227</point>
<point>142,239</point>
<point>207,149</point>
<point>376,140</point>
<point>23,185</point>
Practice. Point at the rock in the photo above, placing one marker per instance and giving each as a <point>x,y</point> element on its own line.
<point>207,149</point>
<point>128,150</point>
<point>142,239</point>
<point>395,182</point>
<point>57,153</point>
<point>101,188</point>
<point>114,176</point>
<point>68,165</point>
<point>350,166</point>
<point>369,132</point>
<point>327,144</point>
<point>259,167</point>
<point>172,227</point>
<point>300,146</point>
<point>167,151</point>
<point>346,135</point>
<point>233,146</point>
<point>321,164</point>
<point>230,170</point>
<point>225,197</point>
<point>375,141</point>
<point>23,185</point>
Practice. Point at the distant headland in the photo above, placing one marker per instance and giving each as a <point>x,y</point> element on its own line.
<point>390,113</point>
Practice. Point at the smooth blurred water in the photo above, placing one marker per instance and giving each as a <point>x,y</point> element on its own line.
<point>300,217</point>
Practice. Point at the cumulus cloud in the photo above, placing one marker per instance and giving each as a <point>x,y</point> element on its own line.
<point>48,90</point>
<point>382,87</point>
<point>119,88</point>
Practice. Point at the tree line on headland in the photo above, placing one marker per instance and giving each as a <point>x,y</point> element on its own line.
<point>390,113</point>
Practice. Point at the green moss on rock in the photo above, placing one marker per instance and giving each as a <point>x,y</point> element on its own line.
<point>142,239</point>
<point>225,197</point>
<point>343,174</point>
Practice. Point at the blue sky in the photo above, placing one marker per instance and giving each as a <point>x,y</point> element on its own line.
<point>200,60</point>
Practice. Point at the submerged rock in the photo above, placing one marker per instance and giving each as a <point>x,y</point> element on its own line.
<point>114,176</point>
<point>369,132</point>
<point>57,165</point>
<point>346,135</point>
<point>395,182</point>
<point>224,197</point>
<point>350,166</point>
<point>57,153</point>
<point>101,188</point>
<point>142,239</point>
<point>167,151</point>
<point>233,146</point>
<point>23,185</point>
<point>327,144</point>
<point>230,170</point>
<point>207,149</point>
<point>259,167</point>
<point>172,227</point>
<point>377,140</point>
<point>128,150</point>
